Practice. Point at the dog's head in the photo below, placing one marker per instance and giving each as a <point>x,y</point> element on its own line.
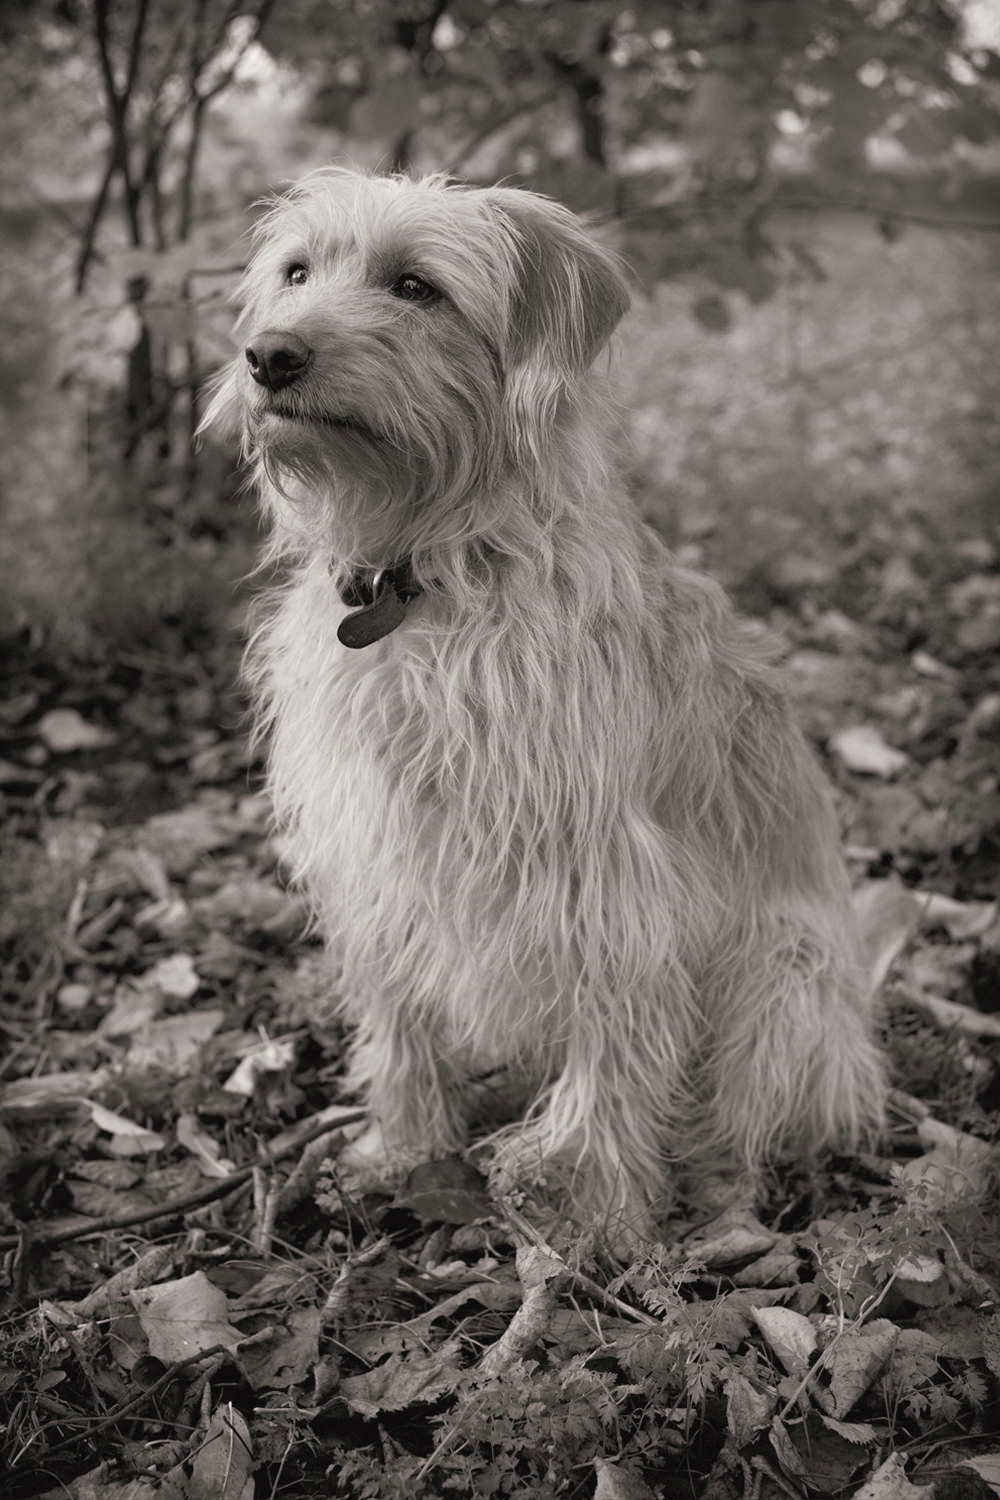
<point>408,344</point>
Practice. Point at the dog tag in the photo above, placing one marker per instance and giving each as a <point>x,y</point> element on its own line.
<point>386,611</point>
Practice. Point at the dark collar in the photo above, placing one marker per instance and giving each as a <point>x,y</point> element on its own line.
<point>380,597</point>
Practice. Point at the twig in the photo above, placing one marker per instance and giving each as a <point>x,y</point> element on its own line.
<point>266,1198</point>
<point>114,1417</point>
<point>338,1293</point>
<point>498,122</point>
<point>176,1206</point>
<point>593,1288</point>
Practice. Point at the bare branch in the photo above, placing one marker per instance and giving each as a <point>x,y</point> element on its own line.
<point>118,102</point>
<point>497,123</point>
<point>88,241</point>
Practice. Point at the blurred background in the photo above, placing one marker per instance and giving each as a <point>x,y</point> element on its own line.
<point>808,192</point>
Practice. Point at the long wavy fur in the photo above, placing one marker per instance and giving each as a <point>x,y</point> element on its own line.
<point>562,817</point>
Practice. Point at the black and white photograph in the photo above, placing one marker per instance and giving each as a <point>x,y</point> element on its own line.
<point>500,750</point>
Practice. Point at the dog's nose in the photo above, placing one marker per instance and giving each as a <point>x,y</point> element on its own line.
<point>277,359</point>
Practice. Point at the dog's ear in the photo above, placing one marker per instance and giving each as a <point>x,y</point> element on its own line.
<point>570,290</point>
<point>568,293</point>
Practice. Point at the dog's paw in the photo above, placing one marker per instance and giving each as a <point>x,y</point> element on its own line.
<point>717,1194</point>
<point>372,1164</point>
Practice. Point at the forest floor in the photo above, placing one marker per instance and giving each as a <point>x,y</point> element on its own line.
<point>194,1308</point>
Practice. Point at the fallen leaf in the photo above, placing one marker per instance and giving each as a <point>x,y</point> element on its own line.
<point>223,1461</point>
<point>951,1016</point>
<point>899,580</point>
<point>96,1485</point>
<point>72,843</point>
<point>925,1268</point>
<point>184,1317</point>
<point>852,1432</point>
<point>862,749</point>
<point>888,914</point>
<point>175,977</point>
<point>10,773</point>
<point>960,919</point>
<point>402,1380</point>
<point>735,1235</point>
<point>616,1483</point>
<point>74,996</point>
<point>169,917</point>
<point>961,1333</point>
<point>938,967</point>
<point>17,706</point>
<point>890,816</point>
<point>99,1199</point>
<point>48,1089</point>
<point>288,1357</point>
<point>984,716</point>
<point>255,810</point>
<point>779,1267</point>
<point>539,1272</point>
<point>981,632</point>
<point>889,1482</point>
<point>63,730</point>
<point>925,1291</point>
<point>974,591</point>
<point>991,1343</point>
<point>395,1338</point>
<point>987,1466</point>
<point>250,901</point>
<point>264,1056</point>
<point>956,1167</point>
<point>810,1451</point>
<point>201,1145</point>
<point>130,1011</point>
<point>448,1192</point>
<point>139,1140</point>
<point>143,869</point>
<point>929,666</point>
<point>179,839</point>
<point>748,1410</point>
<point>789,1334</point>
<point>834,628</point>
<point>174,1043</point>
<point>147,1267</point>
<point>852,1363</point>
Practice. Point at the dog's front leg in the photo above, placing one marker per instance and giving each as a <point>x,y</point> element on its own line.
<point>596,1136</point>
<point>417,1106</point>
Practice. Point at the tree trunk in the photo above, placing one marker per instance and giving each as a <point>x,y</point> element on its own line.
<point>588,90</point>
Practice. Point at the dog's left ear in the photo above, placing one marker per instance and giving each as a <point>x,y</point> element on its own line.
<point>570,291</point>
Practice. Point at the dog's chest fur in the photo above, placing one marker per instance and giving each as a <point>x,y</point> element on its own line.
<point>440,795</point>
<point>372,765</point>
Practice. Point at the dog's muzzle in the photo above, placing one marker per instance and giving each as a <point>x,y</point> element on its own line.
<point>277,359</point>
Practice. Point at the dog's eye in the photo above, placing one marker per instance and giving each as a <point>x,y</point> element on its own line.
<point>296,275</point>
<point>412,288</point>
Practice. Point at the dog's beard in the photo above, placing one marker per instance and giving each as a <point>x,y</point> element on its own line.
<point>367,489</point>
